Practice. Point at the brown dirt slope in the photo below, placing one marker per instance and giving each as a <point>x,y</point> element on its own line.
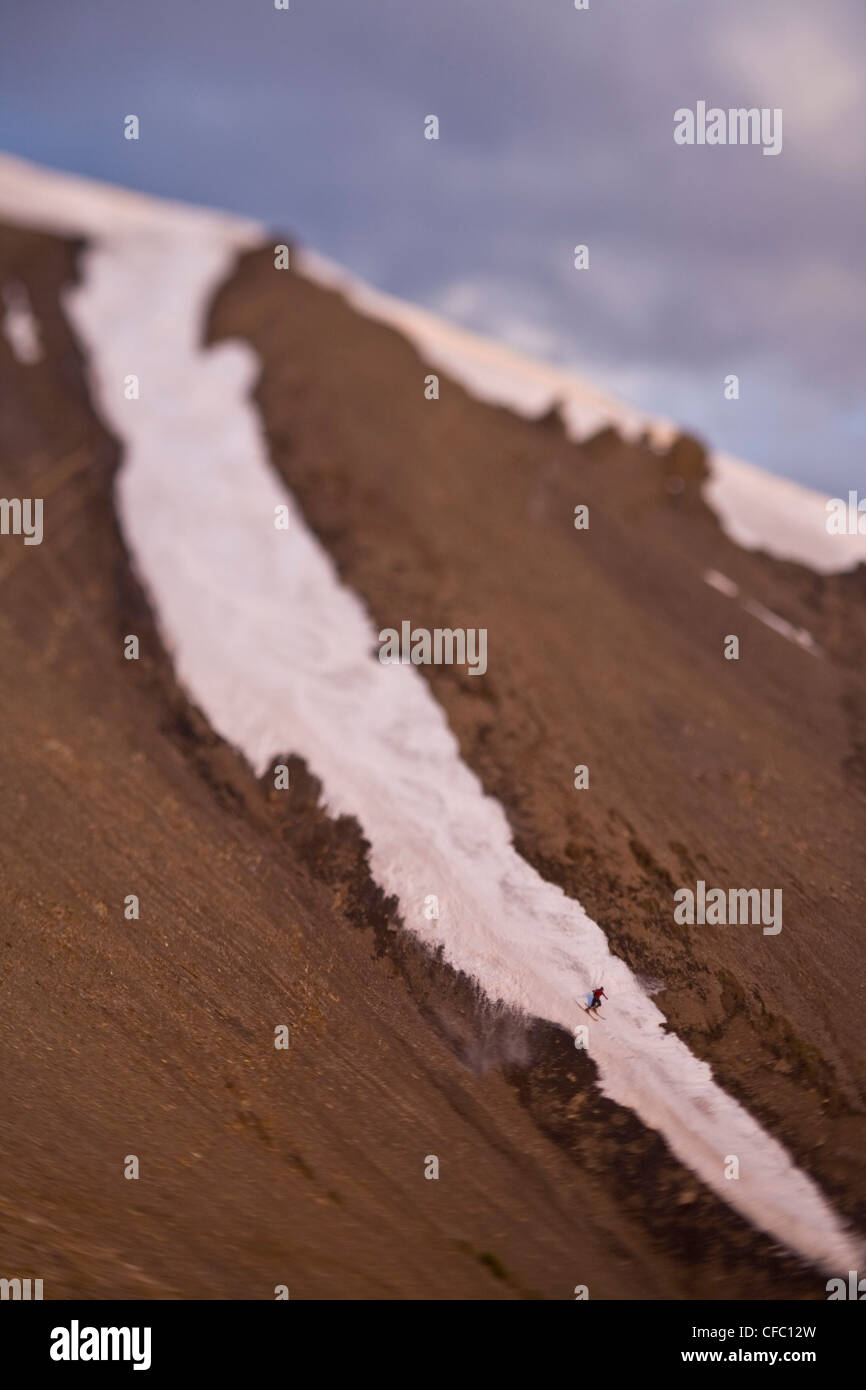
<point>606,649</point>
<point>154,1037</point>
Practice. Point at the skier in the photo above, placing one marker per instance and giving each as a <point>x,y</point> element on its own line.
<point>595,1002</point>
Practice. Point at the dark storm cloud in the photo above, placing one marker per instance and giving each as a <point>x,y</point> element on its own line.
<point>556,128</point>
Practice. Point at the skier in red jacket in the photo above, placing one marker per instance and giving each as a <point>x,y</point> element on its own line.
<point>595,1002</point>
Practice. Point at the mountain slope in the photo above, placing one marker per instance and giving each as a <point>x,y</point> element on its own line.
<point>402,497</point>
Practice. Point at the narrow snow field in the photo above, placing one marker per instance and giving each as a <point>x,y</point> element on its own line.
<point>280,656</point>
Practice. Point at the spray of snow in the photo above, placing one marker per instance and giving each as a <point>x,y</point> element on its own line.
<point>20,328</point>
<point>721,583</point>
<point>278,654</point>
<point>800,636</point>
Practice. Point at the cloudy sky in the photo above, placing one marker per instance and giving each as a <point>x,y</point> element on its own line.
<point>556,128</point>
